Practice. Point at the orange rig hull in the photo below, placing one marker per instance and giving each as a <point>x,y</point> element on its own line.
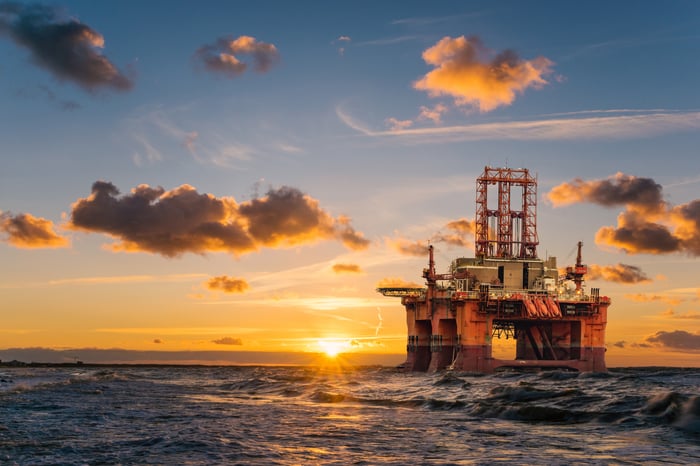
<point>452,330</point>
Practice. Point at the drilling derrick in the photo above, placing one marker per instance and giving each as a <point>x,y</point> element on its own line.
<point>506,231</point>
<point>505,290</point>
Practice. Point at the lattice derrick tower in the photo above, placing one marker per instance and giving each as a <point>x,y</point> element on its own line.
<point>507,231</point>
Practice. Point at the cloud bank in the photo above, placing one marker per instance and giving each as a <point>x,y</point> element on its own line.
<point>182,220</point>
<point>67,48</point>
<point>464,70</point>
<point>648,224</point>
<point>224,56</point>
<point>677,340</point>
<point>27,231</point>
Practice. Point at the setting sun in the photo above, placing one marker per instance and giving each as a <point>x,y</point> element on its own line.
<point>332,347</point>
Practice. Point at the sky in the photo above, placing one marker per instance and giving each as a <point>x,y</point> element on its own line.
<point>192,177</point>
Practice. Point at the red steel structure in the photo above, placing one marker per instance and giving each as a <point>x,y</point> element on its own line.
<point>504,291</point>
<point>515,234</point>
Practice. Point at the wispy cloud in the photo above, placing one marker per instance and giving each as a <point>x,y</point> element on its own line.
<point>117,279</point>
<point>552,129</point>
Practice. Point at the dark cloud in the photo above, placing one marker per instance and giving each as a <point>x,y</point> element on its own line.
<point>182,220</point>
<point>620,344</point>
<point>27,231</point>
<point>619,273</point>
<point>157,341</point>
<point>473,76</point>
<point>634,235</point>
<point>224,55</point>
<point>228,341</point>
<point>678,340</point>
<point>648,224</point>
<point>67,48</point>
<point>287,217</point>
<point>620,189</point>
<point>227,284</point>
<point>346,268</point>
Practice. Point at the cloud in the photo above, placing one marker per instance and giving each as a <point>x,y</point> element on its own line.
<point>157,341</point>
<point>228,341</point>
<point>287,217</point>
<point>688,315</point>
<point>620,189</point>
<point>468,72</point>
<point>396,125</point>
<point>620,344</point>
<point>393,282</point>
<point>646,298</point>
<point>27,231</point>
<point>618,273</point>
<point>408,247</point>
<point>346,268</point>
<point>182,220</point>
<point>227,284</point>
<point>433,114</point>
<point>223,55</point>
<point>647,225</point>
<point>678,340</point>
<point>67,48</point>
<point>462,230</point>
<point>629,124</point>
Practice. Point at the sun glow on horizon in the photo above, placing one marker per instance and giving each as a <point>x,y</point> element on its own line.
<point>332,348</point>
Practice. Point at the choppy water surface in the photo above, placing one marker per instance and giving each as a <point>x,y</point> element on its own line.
<point>309,415</point>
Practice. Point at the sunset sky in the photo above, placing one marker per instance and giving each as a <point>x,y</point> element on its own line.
<point>229,176</point>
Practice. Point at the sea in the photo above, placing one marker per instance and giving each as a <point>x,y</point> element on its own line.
<point>336,414</point>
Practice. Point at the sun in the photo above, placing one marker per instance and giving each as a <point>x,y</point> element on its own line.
<point>332,347</point>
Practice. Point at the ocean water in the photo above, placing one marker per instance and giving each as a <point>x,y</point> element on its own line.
<point>335,415</point>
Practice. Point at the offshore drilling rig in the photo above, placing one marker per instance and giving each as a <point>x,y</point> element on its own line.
<point>504,291</point>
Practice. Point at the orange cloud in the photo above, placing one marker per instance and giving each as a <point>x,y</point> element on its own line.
<point>407,247</point>
<point>346,268</point>
<point>644,194</point>
<point>619,273</point>
<point>688,315</point>
<point>390,282</point>
<point>182,220</point>
<point>227,284</point>
<point>222,56</point>
<point>463,232</point>
<point>465,71</point>
<point>647,225</point>
<point>646,298</point>
<point>27,231</point>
